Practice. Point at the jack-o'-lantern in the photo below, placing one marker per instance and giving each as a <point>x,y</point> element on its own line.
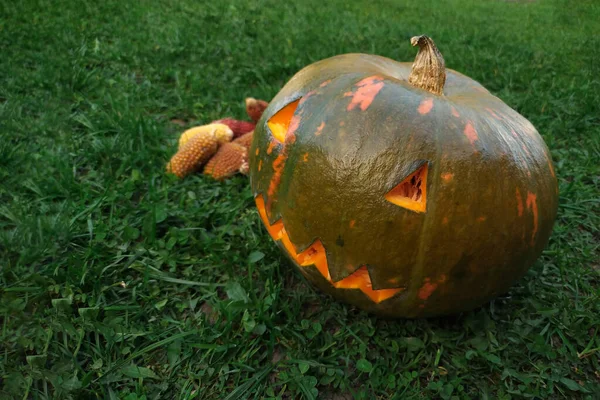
<point>405,189</point>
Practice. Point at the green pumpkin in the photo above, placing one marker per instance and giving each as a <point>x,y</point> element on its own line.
<point>406,190</point>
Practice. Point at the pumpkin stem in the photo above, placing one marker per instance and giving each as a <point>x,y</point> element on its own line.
<point>428,71</point>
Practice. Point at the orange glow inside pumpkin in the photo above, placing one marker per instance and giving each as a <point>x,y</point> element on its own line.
<point>280,122</point>
<point>411,193</point>
<point>316,255</point>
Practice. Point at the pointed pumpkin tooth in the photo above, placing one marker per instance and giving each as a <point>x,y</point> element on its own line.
<point>196,151</point>
<point>255,108</point>
<point>221,131</point>
<point>230,159</point>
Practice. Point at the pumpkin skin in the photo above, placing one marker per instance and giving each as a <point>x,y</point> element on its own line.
<point>344,132</point>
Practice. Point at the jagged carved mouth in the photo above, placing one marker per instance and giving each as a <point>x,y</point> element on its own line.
<point>315,256</point>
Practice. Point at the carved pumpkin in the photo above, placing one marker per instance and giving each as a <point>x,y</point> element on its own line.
<point>408,191</point>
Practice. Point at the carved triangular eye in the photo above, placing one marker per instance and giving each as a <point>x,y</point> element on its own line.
<point>411,193</point>
<point>280,122</point>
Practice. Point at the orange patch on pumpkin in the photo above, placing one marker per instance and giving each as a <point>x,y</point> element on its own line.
<point>471,133</point>
<point>278,165</point>
<point>260,165</point>
<point>445,220</point>
<point>493,114</point>
<point>447,177</point>
<point>481,219</point>
<point>532,204</point>
<point>352,223</point>
<point>271,147</point>
<point>427,289</point>
<point>316,256</point>
<point>454,112</point>
<point>320,129</point>
<point>257,150</point>
<point>306,97</point>
<point>290,136</point>
<point>325,83</point>
<point>426,106</point>
<point>366,91</point>
<point>305,157</point>
<point>519,203</point>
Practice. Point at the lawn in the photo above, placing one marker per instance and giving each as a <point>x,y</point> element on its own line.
<point>121,282</point>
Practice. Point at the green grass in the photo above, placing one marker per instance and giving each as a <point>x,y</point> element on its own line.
<point>118,281</point>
